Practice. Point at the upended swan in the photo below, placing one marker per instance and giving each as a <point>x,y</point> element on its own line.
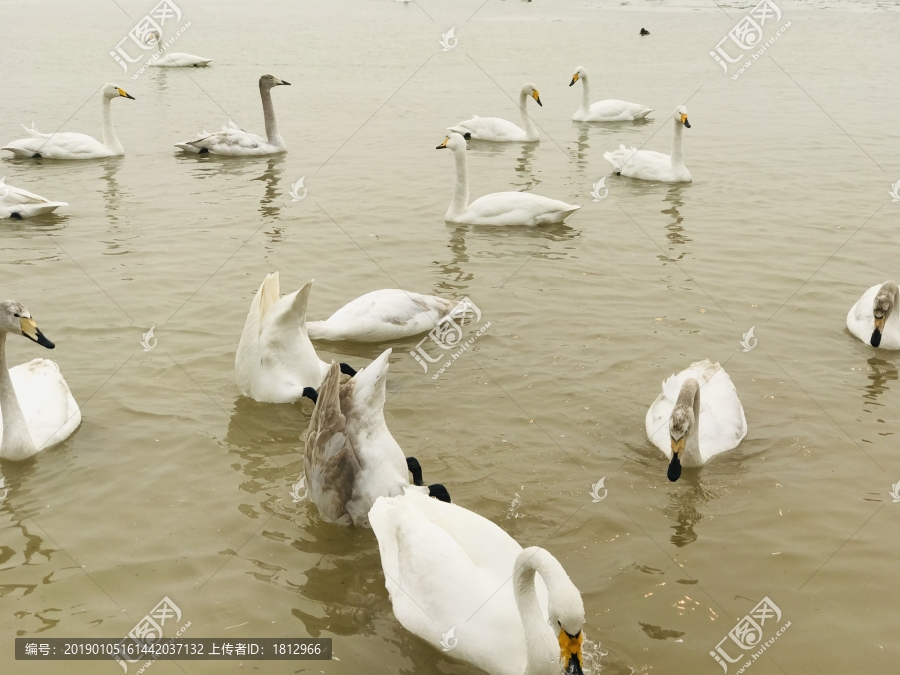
<point>458,581</point>
<point>388,314</point>
<point>233,140</point>
<point>351,457</point>
<point>68,145</point>
<point>18,203</point>
<point>37,407</point>
<point>497,129</point>
<point>875,318</point>
<point>275,361</point>
<point>690,428</point>
<point>650,165</point>
<point>610,110</point>
<point>500,208</point>
<point>178,59</point>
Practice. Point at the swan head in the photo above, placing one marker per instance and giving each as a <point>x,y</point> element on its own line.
<point>269,81</point>
<point>112,91</point>
<point>15,319</point>
<point>580,73</point>
<point>530,90</point>
<point>681,115</point>
<point>681,423</point>
<point>454,142</point>
<point>569,623</point>
<point>882,308</point>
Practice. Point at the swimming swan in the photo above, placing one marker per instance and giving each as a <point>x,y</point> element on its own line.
<point>234,141</point>
<point>452,574</point>
<point>500,208</point>
<point>275,361</point>
<point>610,110</point>
<point>177,59</point>
<point>379,316</point>
<point>497,129</point>
<point>35,402</point>
<point>351,457</point>
<point>18,203</point>
<point>67,145</point>
<point>690,428</point>
<point>649,165</point>
<point>875,318</point>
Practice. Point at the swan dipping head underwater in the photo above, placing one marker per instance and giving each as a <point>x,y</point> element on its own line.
<point>15,319</point>
<point>882,308</point>
<point>683,428</point>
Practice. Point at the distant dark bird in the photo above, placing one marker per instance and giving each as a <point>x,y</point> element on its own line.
<point>644,31</point>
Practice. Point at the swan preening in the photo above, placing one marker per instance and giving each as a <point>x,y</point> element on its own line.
<point>177,59</point>
<point>233,140</point>
<point>379,316</point>
<point>351,457</point>
<point>610,110</point>
<point>497,129</point>
<point>650,165</point>
<point>275,361</point>
<point>18,203</point>
<point>875,318</point>
<point>697,416</point>
<point>68,145</point>
<point>513,611</point>
<point>500,208</point>
<point>37,407</point>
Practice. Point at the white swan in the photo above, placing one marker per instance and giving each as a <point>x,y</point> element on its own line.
<point>18,203</point>
<point>35,402</point>
<point>379,316</point>
<point>500,208</point>
<point>450,571</point>
<point>351,457</point>
<point>497,129</point>
<point>67,145</point>
<point>177,59</point>
<point>649,165</point>
<point>875,318</point>
<point>275,361</point>
<point>610,110</point>
<point>233,140</point>
<point>697,415</point>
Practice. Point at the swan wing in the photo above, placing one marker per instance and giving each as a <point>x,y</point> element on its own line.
<point>644,164</point>
<point>25,203</point>
<point>517,208</point>
<point>63,145</point>
<point>613,110</point>
<point>490,129</point>
<point>231,140</point>
<point>722,422</point>
<point>248,359</point>
<point>180,60</point>
<point>331,464</point>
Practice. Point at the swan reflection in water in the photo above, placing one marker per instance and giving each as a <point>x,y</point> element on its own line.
<point>880,373</point>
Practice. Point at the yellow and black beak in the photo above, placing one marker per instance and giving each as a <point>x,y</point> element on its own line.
<point>443,145</point>
<point>879,329</point>
<point>684,121</point>
<point>32,332</point>
<point>537,97</point>
<point>570,652</point>
<point>574,79</point>
<point>125,94</point>
<point>674,471</point>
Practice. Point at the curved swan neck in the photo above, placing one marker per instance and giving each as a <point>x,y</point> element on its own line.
<point>677,156</point>
<point>17,442</point>
<point>692,443</point>
<point>110,140</point>
<point>272,135</point>
<point>530,127</point>
<point>539,638</point>
<point>461,191</point>
<point>585,93</point>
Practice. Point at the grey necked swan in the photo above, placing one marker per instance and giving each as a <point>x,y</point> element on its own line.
<point>875,318</point>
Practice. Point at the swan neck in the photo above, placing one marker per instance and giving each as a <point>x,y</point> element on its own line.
<point>538,635</point>
<point>531,131</point>
<point>17,443</point>
<point>585,93</point>
<point>692,444</point>
<point>272,134</point>
<point>110,140</point>
<point>677,156</point>
<point>461,191</point>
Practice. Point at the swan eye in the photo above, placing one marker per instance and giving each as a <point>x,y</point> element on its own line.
<point>17,316</point>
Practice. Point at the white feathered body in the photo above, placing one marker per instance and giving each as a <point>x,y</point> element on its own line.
<point>513,208</point>
<point>180,60</point>
<point>612,110</point>
<point>232,140</point>
<point>647,165</point>
<point>15,200</point>
<point>61,145</point>
<point>861,321</point>
<point>493,129</point>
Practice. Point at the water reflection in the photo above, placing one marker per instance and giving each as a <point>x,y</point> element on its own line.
<point>683,506</point>
<point>880,373</point>
<point>581,145</point>
<point>112,192</point>
<point>675,231</point>
<point>270,204</point>
<point>524,170</point>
